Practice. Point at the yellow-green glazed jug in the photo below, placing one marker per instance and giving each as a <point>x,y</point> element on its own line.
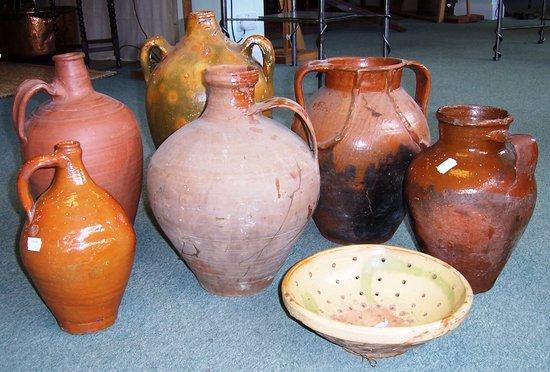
<point>176,94</point>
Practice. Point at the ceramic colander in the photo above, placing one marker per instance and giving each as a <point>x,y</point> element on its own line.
<point>376,300</point>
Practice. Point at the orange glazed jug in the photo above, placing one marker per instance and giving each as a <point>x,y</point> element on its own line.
<point>77,244</point>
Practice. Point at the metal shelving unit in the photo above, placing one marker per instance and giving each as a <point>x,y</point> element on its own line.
<point>498,31</point>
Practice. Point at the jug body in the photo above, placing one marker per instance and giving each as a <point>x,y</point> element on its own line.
<point>471,195</point>
<point>368,129</point>
<point>106,129</point>
<point>176,94</point>
<point>233,190</point>
<point>77,244</point>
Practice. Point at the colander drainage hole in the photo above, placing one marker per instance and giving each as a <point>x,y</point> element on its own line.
<point>310,274</point>
<point>397,295</point>
<point>383,259</point>
<point>425,314</point>
<point>409,265</point>
<point>318,292</point>
<point>423,295</point>
<point>357,277</point>
<point>337,281</point>
<point>343,297</point>
<point>379,279</point>
<point>413,305</point>
<point>333,264</point>
<point>361,293</point>
<point>434,276</point>
<point>404,282</point>
<point>376,293</point>
<point>439,304</point>
<point>354,258</point>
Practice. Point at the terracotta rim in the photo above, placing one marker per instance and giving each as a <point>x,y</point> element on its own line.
<point>231,75</point>
<point>474,116</point>
<point>344,331</point>
<point>363,63</point>
<point>68,56</point>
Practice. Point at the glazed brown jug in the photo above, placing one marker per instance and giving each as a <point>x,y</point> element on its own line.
<point>368,130</point>
<point>233,190</point>
<point>77,244</point>
<point>106,129</point>
<point>470,195</point>
<point>176,94</point>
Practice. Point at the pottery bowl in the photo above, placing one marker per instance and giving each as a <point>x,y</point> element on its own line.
<point>376,300</point>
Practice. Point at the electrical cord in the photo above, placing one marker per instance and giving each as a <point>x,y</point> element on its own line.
<point>233,25</point>
<point>154,56</point>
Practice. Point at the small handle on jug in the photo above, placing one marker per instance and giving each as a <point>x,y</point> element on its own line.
<point>157,42</point>
<point>25,91</point>
<point>281,102</point>
<point>268,54</point>
<point>25,173</point>
<point>526,150</point>
<point>303,70</point>
<point>423,84</point>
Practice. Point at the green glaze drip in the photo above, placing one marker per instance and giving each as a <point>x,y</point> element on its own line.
<point>398,266</point>
<point>309,303</point>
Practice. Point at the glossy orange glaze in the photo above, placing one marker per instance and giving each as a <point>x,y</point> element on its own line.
<point>176,94</point>
<point>472,214</point>
<point>77,244</point>
<point>233,190</point>
<point>106,128</point>
<point>368,129</point>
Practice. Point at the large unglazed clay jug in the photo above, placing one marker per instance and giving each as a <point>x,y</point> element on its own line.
<point>77,244</point>
<point>106,129</point>
<point>472,194</point>
<point>233,190</point>
<point>176,93</point>
<point>368,130</point>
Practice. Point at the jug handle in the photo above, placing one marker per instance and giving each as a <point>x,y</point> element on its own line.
<point>423,84</point>
<point>145,53</point>
<point>303,70</point>
<point>281,102</point>
<point>526,152</point>
<point>26,171</point>
<point>25,91</point>
<point>268,54</point>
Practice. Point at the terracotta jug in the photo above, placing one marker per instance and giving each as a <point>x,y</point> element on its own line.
<point>77,244</point>
<point>106,129</point>
<point>176,94</point>
<point>368,129</point>
<point>233,190</point>
<point>471,196</point>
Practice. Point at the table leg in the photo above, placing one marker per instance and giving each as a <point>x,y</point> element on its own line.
<point>498,31</point>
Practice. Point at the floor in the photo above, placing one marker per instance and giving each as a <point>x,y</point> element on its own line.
<point>167,321</point>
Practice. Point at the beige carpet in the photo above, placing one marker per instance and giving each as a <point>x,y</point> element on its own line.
<point>13,74</point>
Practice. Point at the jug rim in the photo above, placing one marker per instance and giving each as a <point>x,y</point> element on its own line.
<point>362,63</point>
<point>231,75</point>
<point>71,56</point>
<point>474,116</point>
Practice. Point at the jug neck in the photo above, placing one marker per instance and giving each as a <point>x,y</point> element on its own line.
<point>230,90</point>
<point>473,127</point>
<point>72,74</point>
<point>203,22</point>
<point>74,171</point>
